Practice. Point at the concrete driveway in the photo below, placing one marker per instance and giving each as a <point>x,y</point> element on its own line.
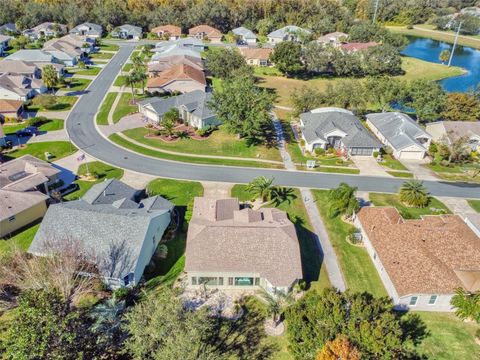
<point>419,170</point>
<point>369,166</point>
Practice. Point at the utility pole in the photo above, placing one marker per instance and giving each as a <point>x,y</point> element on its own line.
<point>454,44</point>
<point>376,10</point>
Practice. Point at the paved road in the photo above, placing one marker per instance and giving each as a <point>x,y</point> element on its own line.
<point>83,133</point>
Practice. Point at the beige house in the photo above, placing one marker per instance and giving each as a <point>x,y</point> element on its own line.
<point>173,32</point>
<point>178,79</point>
<point>450,131</point>
<point>204,32</point>
<point>421,262</point>
<point>257,56</point>
<point>334,39</point>
<point>24,191</point>
<point>10,109</point>
<point>233,248</point>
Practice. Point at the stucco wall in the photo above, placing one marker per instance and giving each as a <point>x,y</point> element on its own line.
<point>23,218</point>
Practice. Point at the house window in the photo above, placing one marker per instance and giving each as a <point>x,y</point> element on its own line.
<point>374,256</point>
<point>194,280</point>
<point>413,300</point>
<point>207,280</point>
<point>243,281</point>
<point>230,281</point>
<point>11,218</point>
<point>220,281</point>
<point>257,281</point>
<point>432,300</point>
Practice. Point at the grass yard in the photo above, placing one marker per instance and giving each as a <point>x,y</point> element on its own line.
<point>124,107</point>
<point>435,207</point>
<point>414,69</point>
<point>109,47</point>
<point>177,191</point>
<point>220,143</point>
<point>264,70</point>
<point>475,205</point>
<point>357,267</point>
<point>455,173</point>
<point>195,160</point>
<point>58,149</point>
<point>328,160</point>
<point>101,55</point>
<point>450,338</point>
<point>127,67</point>
<point>50,125</point>
<point>391,163</point>
<point>121,80</point>
<point>93,70</point>
<point>75,84</point>
<point>64,103</point>
<point>101,170</point>
<point>21,239</point>
<point>102,115</point>
<point>401,174</point>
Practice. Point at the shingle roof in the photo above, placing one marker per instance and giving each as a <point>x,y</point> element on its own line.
<point>358,46</point>
<point>319,122</point>
<point>398,128</point>
<point>183,42</point>
<point>246,33</point>
<point>10,105</point>
<point>93,29</point>
<point>32,55</point>
<point>131,29</point>
<point>166,62</point>
<point>209,31</point>
<point>223,238</point>
<point>8,27</point>
<point>177,72</point>
<point>19,84</point>
<point>334,35</point>
<point>457,129</point>
<point>170,29</point>
<point>17,67</point>
<point>109,191</point>
<point>434,255</point>
<point>256,53</point>
<point>288,30</point>
<point>14,202</point>
<point>4,38</point>
<point>174,50</point>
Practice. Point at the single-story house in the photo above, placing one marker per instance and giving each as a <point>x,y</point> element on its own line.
<point>398,131</point>
<point>19,87</point>
<point>473,221</point>
<point>4,41</point>
<point>46,29</point>
<point>8,29</point>
<point>450,131</point>
<point>179,78</point>
<point>204,32</point>
<point>155,67</point>
<point>189,43</point>
<point>68,49</point>
<point>127,31</point>
<point>59,68</point>
<point>334,39</point>
<point>257,56</point>
<point>20,67</point>
<point>88,30</point>
<point>356,46</point>
<point>24,191</point>
<point>339,129</point>
<point>117,231</point>
<point>421,262</point>
<point>245,35</point>
<point>233,248</point>
<point>171,31</point>
<point>174,50</point>
<point>10,109</point>
<point>288,33</point>
<point>33,56</point>
<point>192,107</point>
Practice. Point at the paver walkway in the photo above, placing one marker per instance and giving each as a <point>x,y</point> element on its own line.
<point>287,160</point>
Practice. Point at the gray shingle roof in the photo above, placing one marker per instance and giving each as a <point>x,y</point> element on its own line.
<point>131,29</point>
<point>318,124</point>
<point>31,55</point>
<point>93,29</point>
<point>288,30</point>
<point>109,191</point>
<point>399,129</point>
<point>9,27</point>
<point>246,33</point>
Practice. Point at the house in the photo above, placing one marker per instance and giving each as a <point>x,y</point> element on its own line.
<point>245,35</point>
<point>170,32</point>
<point>118,232</point>
<point>179,78</point>
<point>4,41</point>
<point>32,56</point>
<point>451,131</point>
<point>174,50</point>
<point>127,31</point>
<point>24,184</point>
<point>288,33</point>
<point>205,32</point>
<point>155,67</point>
<point>339,129</point>
<point>257,56</point>
<point>473,221</point>
<point>10,109</point>
<point>8,29</point>
<point>334,39</point>
<point>3,138</point>
<point>192,107</point>
<point>19,87</point>
<point>88,30</point>
<point>421,262</point>
<point>233,248</point>
<point>69,49</point>
<point>356,46</point>
<point>20,67</point>
<point>46,29</point>
<point>188,43</point>
<point>398,131</point>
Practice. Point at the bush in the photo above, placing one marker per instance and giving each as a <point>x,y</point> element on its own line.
<point>207,130</point>
<point>47,101</point>
<point>388,150</point>
<point>375,154</point>
<point>120,293</point>
<point>331,151</point>
<point>319,151</point>
<point>37,121</point>
<point>339,162</point>
<point>446,163</point>
<point>302,142</point>
<point>409,27</point>
<point>432,149</point>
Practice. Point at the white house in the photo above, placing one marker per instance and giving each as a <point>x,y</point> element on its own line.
<point>398,131</point>
<point>288,33</point>
<point>127,32</point>
<point>20,87</point>
<point>88,30</point>
<point>245,35</point>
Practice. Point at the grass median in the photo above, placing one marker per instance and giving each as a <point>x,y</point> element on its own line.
<point>102,115</point>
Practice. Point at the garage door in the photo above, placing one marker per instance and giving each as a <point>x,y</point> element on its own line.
<point>361,151</point>
<point>418,155</point>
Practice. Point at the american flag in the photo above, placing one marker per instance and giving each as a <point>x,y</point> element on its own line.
<point>81,157</point>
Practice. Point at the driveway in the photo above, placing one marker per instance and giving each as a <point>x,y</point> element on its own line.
<point>456,205</point>
<point>369,166</point>
<point>419,170</point>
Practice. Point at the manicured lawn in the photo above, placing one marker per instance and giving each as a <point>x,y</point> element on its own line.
<point>454,173</point>
<point>220,143</point>
<point>450,338</point>
<point>75,84</point>
<point>102,115</point>
<point>64,103</point>
<point>121,80</point>
<point>263,70</point>
<point>124,107</point>
<point>58,149</point>
<point>93,70</point>
<point>355,263</point>
<point>127,67</point>
<point>401,174</point>
<point>102,172</point>
<point>300,159</point>
<point>435,207</point>
<point>20,240</point>
<point>391,163</point>
<point>475,204</point>
<point>51,125</point>
<point>109,47</point>
<point>196,160</point>
<point>101,55</point>
<point>177,191</point>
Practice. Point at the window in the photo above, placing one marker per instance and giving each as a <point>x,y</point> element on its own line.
<point>432,300</point>
<point>194,280</point>
<point>257,281</point>
<point>413,300</point>
<point>207,280</point>
<point>220,281</point>
<point>11,219</point>
<point>230,281</point>
<point>243,281</point>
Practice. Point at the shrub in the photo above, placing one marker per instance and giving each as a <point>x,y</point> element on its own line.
<point>409,27</point>
<point>339,162</point>
<point>375,154</point>
<point>302,142</point>
<point>432,149</point>
<point>207,130</point>
<point>120,293</point>
<point>319,151</point>
<point>47,101</point>
<point>445,163</point>
<point>388,150</point>
<point>37,121</point>
<point>331,151</point>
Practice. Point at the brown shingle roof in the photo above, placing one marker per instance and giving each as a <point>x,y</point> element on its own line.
<point>256,53</point>
<point>167,62</point>
<point>358,46</point>
<point>223,238</point>
<point>423,256</point>
<point>177,72</point>
<point>17,67</point>
<point>209,31</point>
<point>170,29</point>
<point>10,105</point>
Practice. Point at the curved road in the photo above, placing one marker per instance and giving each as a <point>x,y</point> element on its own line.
<point>84,134</point>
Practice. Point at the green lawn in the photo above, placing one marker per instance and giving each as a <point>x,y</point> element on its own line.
<point>475,204</point>
<point>50,125</point>
<point>109,47</point>
<point>20,240</point>
<point>102,115</point>
<point>127,67</point>
<point>401,174</point>
<point>121,80</point>
<point>454,173</point>
<point>220,143</point>
<point>124,107</point>
<point>177,191</point>
<point>337,170</point>
<point>196,160</point>
<point>75,84</point>
<point>328,160</point>
<point>450,338</point>
<point>58,149</point>
<point>409,212</point>
<point>102,172</point>
<point>93,70</point>
<point>64,103</point>
<point>355,263</point>
<point>391,163</point>
<point>101,55</point>
<point>264,70</point>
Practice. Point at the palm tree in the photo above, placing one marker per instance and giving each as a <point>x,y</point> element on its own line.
<point>49,76</point>
<point>260,187</point>
<point>342,200</point>
<point>467,305</point>
<point>277,303</point>
<point>132,80</point>
<point>279,195</point>
<point>413,193</point>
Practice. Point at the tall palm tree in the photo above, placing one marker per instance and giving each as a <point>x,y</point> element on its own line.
<point>413,193</point>
<point>276,304</point>
<point>342,200</point>
<point>467,305</point>
<point>131,81</point>
<point>280,194</point>
<point>260,187</point>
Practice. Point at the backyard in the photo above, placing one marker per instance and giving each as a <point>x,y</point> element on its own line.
<point>58,149</point>
<point>20,239</point>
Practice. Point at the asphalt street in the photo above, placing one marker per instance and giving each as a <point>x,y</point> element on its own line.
<point>83,133</point>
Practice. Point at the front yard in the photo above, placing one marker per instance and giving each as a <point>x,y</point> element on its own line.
<point>121,80</point>
<point>456,173</point>
<point>124,107</point>
<point>63,103</point>
<point>475,204</point>
<point>50,125</point>
<point>58,149</point>
<point>92,70</point>
<point>75,84</point>
<point>101,55</point>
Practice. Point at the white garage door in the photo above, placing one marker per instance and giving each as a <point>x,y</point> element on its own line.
<point>417,155</point>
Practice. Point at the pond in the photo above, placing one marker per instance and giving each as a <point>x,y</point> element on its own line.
<point>465,57</point>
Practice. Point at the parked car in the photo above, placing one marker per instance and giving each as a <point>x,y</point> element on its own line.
<point>28,131</point>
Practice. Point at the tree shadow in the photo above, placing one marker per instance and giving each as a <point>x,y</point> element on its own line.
<point>413,327</point>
